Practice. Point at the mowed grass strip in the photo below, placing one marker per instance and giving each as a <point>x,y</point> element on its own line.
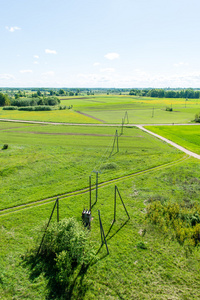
<point>185,136</point>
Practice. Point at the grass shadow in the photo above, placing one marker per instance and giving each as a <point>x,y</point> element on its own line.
<point>74,287</point>
<point>116,230</point>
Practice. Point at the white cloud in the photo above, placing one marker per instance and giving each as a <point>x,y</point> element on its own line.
<point>48,51</point>
<point>96,64</point>
<point>6,77</point>
<point>36,56</point>
<point>111,56</point>
<point>12,29</point>
<point>25,71</point>
<point>107,70</point>
<point>36,62</point>
<point>180,64</point>
<point>49,73</point>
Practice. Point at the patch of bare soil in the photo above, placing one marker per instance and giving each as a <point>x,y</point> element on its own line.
<point>79,112</point>
<point>80,98</point>
<point>64,133</point>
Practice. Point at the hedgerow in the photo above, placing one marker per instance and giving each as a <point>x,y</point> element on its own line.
<point>35,108</point>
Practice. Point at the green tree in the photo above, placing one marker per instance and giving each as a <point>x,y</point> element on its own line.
<point>61,92</point>
<point>39,93</point>
<point>4,100</point>
<point>65,249</point>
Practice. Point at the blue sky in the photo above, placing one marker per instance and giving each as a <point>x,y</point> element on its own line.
<point>106,43</point>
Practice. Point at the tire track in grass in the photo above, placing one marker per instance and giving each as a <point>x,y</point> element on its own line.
<point>48,200</point>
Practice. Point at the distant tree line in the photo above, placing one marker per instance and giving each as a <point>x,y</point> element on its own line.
<point>52,101</point>
<point>162,93</point>
<point>43,95</point>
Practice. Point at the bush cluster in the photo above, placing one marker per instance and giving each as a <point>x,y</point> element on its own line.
<point>182,222</point>
<point>10,108</point>
<point>35,108</point>
<point>65,248</point>
<point>21,102</point>
<point>197,118</point>
<point>168,108</point>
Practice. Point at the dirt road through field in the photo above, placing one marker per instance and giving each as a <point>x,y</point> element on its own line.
<point>119,125</point>
<point>169,142</point>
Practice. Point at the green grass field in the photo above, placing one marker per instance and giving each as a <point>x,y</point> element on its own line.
<point>44,161</point>
<point>186,136</point>
<point>111,109</point>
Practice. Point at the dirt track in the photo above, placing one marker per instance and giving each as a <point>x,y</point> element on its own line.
<point>170,142</point>
<point>195,155</point>
<point>79,112</point>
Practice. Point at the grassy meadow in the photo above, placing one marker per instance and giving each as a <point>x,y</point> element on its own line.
<point>185,136</point>
<point>111,109</point>
<point>160,269</point>
<point>46,161</point>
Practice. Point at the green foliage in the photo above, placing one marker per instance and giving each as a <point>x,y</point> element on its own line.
<point>61,107</point>
<point>65,250</point>
<point>4,100</point>
<point>141,245</point>
<point>61,92</point>
<point>197,118</point>
<point>109,166</point>
<point>5,146</point>
<point>10,108</point>
<point>24,102</point>
<point>34,101</point>
<point>179,221</point>
<point>35,108</point>
<point>168,108</point>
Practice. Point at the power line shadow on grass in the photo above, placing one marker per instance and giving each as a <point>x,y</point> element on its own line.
<point>93,204</point>
<point>109,238</point>
<point>99,258</point>
<point>104,256</point>
<point>113,154</point>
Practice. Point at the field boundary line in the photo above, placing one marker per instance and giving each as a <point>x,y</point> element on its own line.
<point>41,202</point>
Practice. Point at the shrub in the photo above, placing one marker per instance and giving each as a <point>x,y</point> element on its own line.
<point>10,108</point>
<point>61,107</point>
<point>27,108</point>
<point>197,118</point>
<point>5,146</point>
<point>141,245</point>
<point>183,222</point>
<point>35,108</point>
<point>65,248</point>
<point>4,100</point>
<point>168,108</point>
<point>42,108</point>
<point>109,166</point>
